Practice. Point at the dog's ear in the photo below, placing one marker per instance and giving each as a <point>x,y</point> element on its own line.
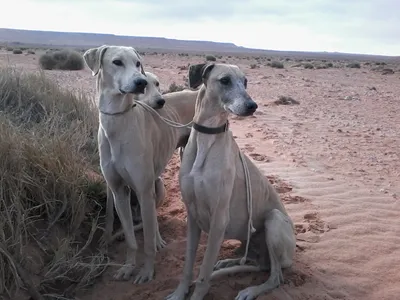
<point>195,75</point>
<point>94,58</point>
<point>206,72</point>
<point>141,61</point>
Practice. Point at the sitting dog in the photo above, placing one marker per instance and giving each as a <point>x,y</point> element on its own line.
<point>135,145</point>
<point>216,179</point>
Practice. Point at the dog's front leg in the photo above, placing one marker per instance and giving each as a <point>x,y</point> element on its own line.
<point>147,200</point>
<point>220,220</point>
<point>122,199</point>
<point>193,237</point>
<point>109,219</point>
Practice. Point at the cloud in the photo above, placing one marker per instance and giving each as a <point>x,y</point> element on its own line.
<point>356,26</point>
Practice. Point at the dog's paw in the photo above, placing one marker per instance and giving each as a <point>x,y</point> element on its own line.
<point>247,294</point>
<point>124,273</point>
<point>145,275</point>
<point>179,294</point>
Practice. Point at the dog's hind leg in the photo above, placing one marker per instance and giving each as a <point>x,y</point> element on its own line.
<point>281,245</point>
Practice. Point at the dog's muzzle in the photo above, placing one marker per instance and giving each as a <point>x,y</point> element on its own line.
<point>160,103</point>
<point>139,86</point>
<point>251,107</point>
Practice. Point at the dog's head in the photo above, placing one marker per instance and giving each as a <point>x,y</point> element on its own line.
<point>119,69</point>
<point>224,82</point>
<point>152,96</point>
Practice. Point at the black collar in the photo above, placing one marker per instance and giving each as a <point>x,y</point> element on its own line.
<point>211,130</point>
<point>119,112</point>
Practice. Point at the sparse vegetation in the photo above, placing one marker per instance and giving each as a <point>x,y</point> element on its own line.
<point>276,64</point>
<point>254,66</point>
<point>354,65</point>
<point>387,71</point>
<point>211,58</point>
<point>62,60</point>
<point>17,51</point>
<point>49,191</point>
<point>308,66</point>
<point>173,87</point>
<point>31,52</point>
<point>9,49</point>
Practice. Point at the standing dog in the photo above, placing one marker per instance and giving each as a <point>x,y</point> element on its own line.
<point>213,187</point>
<point>135,146</point>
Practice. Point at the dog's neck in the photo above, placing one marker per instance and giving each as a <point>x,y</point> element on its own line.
<point>208,112</point>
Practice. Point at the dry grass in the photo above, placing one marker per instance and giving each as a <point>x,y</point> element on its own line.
<point>48,194</point>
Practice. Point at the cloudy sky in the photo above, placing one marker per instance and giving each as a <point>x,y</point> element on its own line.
<point>353,26</point>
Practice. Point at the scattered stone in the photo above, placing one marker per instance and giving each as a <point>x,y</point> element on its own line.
<point>284,100</point>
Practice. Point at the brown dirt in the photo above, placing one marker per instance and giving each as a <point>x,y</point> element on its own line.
<point>334,158</point>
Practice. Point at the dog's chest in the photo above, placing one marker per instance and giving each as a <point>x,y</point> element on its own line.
<point>199,194</point>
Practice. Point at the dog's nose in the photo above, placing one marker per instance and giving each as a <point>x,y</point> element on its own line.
<point>160,102</point>
<point>140,85</point>
<point>251,105</point>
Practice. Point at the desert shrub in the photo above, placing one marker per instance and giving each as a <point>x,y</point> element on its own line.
<point>31,52</point>
<point>354,65</point>
<point>62,60</point>
<point>387,71</point>
<point>9,49</point>
<point>173,87</point>
<point>253,66</point>
<point>49,190</point>
<point>308,66</point>
<point>211,58</point>
<point>329,65</point>
<point>276,64</point>
<point>17,51</point>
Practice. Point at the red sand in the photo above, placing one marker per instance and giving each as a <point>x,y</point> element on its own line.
<point>335,161</point>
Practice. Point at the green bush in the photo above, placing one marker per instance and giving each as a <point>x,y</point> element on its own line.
<point>62,60</point>
<point>211,58</point>
<point>354,65</point>
<point>276,64</point>
<point>308,66</point>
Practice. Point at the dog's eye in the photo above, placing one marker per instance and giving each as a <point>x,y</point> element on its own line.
<point>117,62</point>
<point>138,64</point>
<point>245,83</point>
<point>157,83</point>
<point>225,80</point>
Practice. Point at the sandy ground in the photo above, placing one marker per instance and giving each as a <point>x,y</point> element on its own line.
<point>335,159</point>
